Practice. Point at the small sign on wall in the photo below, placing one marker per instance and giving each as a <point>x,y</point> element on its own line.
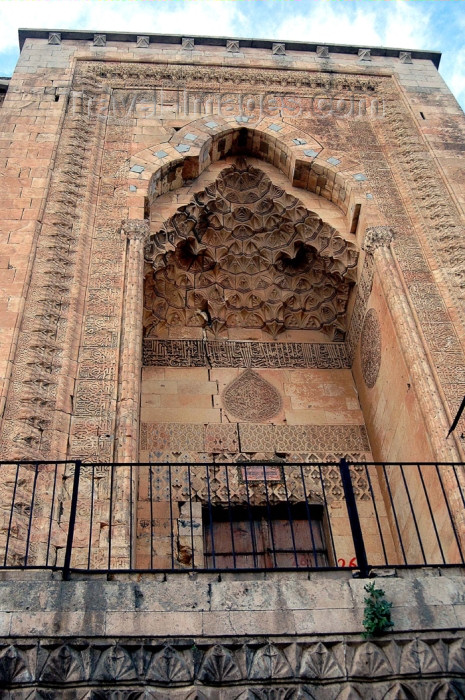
<point>259,472</point>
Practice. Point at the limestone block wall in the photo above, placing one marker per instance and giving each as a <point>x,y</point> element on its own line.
<point>427,218</point>
<point>391,401</point>
<point>196,396</point>
<point>241,636</point>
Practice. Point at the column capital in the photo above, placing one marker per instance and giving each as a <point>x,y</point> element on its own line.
<point>377,237</point>
<point>136,229</point>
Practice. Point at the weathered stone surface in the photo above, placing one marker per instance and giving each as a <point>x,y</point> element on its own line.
<point>382,146</point>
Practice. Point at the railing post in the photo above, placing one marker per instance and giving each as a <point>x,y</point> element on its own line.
<point>72,521</point>
<point>354,519</point>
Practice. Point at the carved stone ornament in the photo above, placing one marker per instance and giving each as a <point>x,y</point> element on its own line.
<point>232,45</point>
<point>377,237</point>
<point>370,348</point>
<point>285,670</point>
<point>405,56</point>
<point>100,40</point>
<point>322,52</point>
<point>250,397</point>
<point>136,228</point>
<point>54,38</point>
<point>219,666</point>
<point>364,54</point>
<point>278,49</point>
<point>245,254</point>
<point>187,43</point>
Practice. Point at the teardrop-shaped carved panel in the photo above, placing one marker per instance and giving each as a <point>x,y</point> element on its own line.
<point>249,397</point>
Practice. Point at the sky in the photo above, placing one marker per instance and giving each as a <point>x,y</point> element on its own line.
<point>413,24</point>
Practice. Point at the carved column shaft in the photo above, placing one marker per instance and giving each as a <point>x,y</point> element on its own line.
<point>378,243</point>
<point>127,429</point>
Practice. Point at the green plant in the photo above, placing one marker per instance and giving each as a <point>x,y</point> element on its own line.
<point>377,612</point>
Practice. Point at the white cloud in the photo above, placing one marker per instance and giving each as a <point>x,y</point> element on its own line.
<point>330,22</point>
<point>129,16</point>
<point>396,23</point>
<point>454,74</point>
<point>408,26</point>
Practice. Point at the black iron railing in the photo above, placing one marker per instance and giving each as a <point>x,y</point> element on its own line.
<point>74,516</point>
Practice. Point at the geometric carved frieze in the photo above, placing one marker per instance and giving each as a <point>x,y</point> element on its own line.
<point>246,254</point>
<point>249,397</point>
<point>253,438</point>
<point>370,348</point>
<point>125,75</point>
<point>176,437</point>
<point>398,666</point>
<point>299,474</point>
<point>196,353</point>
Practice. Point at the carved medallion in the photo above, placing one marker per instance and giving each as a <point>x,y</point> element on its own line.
<point>370,348</point>
<point>251,398</point>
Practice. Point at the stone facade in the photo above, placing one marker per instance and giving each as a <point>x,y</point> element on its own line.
<point>156,138</point>
<point>268,637</point>
<point>217,251</point>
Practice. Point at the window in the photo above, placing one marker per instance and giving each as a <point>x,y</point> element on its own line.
<point>264,537</point>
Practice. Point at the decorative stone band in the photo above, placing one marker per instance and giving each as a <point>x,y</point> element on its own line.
<point>230,353</point>
<point>401,667</point>
<point>377,237</point>
<point>414,352</point>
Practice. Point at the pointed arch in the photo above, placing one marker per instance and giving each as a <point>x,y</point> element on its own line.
<point>302,159</point>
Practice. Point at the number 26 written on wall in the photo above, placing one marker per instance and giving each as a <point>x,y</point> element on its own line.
<point>342,562</point>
